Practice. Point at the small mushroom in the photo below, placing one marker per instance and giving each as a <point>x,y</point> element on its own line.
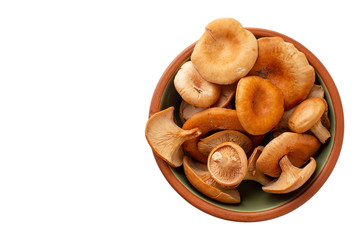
<point>199,176</point>
<point>193,88</point>
<point>208,120</point>
<point>205,145</point>
<point>286,67</point>
<point>259,104</point>
<point>299,148</point>
<point>291,178</point>
<point>225,52</point>
<point>307,116</point>
<point>227,164</point>
<point>165,137</point>
<point>253,173</point>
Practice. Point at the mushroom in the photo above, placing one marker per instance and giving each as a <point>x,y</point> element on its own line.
<point>291,178</point>
<point>199,176</point>
<point>259,104</point>
<point>193,88</point>
<point>307,116</point>
<point>286,67</point>
<point>227,164</point>
<point>253,173</point>
<point>165,137</point>
<point>187,110</point>
<point>299,148</point>
<point>206,121</point>
<point>205,145</point>
<point>226,95</point>
<point>225,52</point>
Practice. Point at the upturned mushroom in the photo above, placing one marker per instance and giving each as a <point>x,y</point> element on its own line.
<point>307,116</point>
<point>259,104</point>
<point>227,164</point>
<point>205,145</point>
<point>226,95</point>
<point>225,52</point>
<point>253,172</point>
<point>206,121</point>
<point>193,88</point>
<point>299,148</point>
<point>166,138</point>
<point>286,67</point>
<point>199,176</point>
<point>291,178</point>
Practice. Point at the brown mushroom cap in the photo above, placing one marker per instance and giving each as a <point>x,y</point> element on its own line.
<point>193,88</point>
<point>205,145</point>
<point>227,164</point>
<point>199,176</point>
<point>253,173</point>
<point>291,177</point>
<point>299,148</point>
<point>259,104</point>
<point>225,52</point>
<point>306,114</point>
<point>206,121</point>
<point>165,137</point>
<point>286,67</point>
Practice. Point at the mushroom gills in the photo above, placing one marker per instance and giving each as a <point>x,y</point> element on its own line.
<point>199,176</point>
<point>253,172</point>
<point>291,178</point>
<point>166,138</point>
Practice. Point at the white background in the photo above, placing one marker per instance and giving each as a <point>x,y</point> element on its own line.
<point>76,81</point>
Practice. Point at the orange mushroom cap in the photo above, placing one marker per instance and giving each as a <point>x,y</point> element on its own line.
<point>225,52</point>
<point>286,67</point>
<point>259,104</point>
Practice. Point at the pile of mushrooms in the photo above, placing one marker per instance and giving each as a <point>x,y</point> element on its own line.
<point>238,90</point>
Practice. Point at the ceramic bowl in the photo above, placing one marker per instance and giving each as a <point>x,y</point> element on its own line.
<point>256,205</point>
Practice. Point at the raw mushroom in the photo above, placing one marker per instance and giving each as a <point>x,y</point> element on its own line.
<point>259,104</point>
<point>165,137</point>
<point>225,52</point>
<point>286,67</point>
<point>299,148</point>
<point>307,116</point>
<point>253,173</point>
<point>194,89</point>
<point>227,164</point>
<point>199,176</point>
<point>208,120</point>
<point>291,177</point>
<point>205,145</point>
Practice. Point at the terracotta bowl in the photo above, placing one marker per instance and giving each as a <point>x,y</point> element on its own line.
<point>256,205</point>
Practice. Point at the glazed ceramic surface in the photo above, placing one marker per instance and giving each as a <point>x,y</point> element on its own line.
<point>255,204</point>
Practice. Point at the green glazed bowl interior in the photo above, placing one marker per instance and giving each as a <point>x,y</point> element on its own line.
<point>256,204</point>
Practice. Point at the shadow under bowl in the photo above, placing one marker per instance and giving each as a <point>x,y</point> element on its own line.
<point>256,205</point>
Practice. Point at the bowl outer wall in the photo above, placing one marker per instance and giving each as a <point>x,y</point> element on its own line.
<point>293,203</point>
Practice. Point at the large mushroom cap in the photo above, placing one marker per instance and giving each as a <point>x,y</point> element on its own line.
<point>259,104</point>
<point>286,67</point>
<point>193,88</point>
<point>199,176</point>
<point>227,164</point>
<point>165,137</point>
<point>206,121</point>
<point>291,177</point>
<point>225,52</point>
<point>299,148</point>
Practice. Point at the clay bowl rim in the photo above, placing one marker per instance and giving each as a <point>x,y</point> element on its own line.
<point>291,204</point>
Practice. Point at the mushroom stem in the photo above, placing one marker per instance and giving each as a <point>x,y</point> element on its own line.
<point>320,131</point>
<point>253,173</point>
